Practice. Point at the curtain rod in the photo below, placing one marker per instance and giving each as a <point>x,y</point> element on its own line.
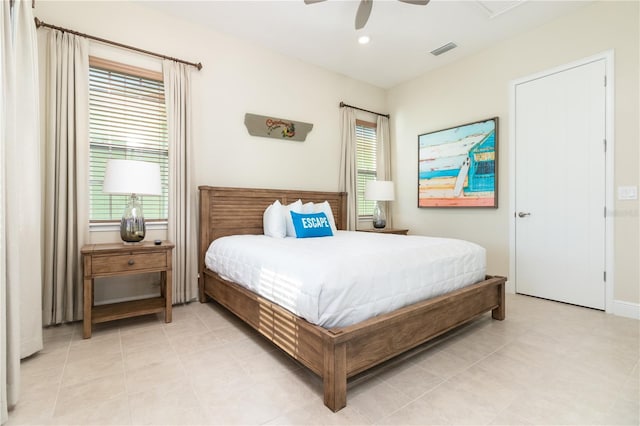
<point>342,104</point>
<point>39,24</point>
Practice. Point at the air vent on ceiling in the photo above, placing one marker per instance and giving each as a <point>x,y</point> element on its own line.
<point>447,47</point>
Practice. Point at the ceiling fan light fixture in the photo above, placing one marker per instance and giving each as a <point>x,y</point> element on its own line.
<point>444,48</point>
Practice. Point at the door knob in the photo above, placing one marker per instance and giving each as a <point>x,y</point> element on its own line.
<point>523,214</point>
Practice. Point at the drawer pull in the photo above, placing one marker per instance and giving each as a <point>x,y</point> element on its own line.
<point>131,262</point>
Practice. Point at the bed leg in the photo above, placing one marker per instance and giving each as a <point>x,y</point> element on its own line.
<point>334,376</point>
<point>499,312</point>
<point>201,296</point>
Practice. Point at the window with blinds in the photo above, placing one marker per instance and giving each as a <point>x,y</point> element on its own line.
<point>127,120</point>
<point>366,164</point>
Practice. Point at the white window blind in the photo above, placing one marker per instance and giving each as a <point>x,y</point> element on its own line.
<point>366,163</point>
<point>127,120</point>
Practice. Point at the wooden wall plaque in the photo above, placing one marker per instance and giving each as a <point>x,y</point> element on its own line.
<point>277,128</point>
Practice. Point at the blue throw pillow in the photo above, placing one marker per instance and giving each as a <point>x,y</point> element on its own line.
<point>311,225</point>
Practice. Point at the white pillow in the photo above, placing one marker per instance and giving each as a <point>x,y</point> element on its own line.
<point>308,208</point>
<point>296,207</point>
<point>325,208</point>
<point>273,221</point>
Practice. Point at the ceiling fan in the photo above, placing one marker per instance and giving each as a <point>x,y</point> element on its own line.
<point>364,9</point>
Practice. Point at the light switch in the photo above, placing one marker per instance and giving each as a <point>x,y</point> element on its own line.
<point>627,193</point>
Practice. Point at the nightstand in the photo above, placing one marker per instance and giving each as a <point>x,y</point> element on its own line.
<point>106,260</point>
<point>386,231</point>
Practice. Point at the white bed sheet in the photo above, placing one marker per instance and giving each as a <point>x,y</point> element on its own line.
<point>350,277</point>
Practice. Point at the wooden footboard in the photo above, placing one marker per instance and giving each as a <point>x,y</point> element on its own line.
<point>339,353</point>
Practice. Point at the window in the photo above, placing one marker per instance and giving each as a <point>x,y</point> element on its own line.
<point>127,120</point>
<point>366,163</point>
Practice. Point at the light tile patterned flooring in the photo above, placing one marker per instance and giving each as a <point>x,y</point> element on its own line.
<point>547,363</point>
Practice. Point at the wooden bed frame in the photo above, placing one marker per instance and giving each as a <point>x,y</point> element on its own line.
<point>339,353</point>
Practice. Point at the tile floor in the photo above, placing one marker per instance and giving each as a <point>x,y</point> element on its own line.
<point>547,363</point>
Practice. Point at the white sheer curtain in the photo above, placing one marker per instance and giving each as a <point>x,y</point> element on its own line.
<point>182,197</point>
<point>20,202</point>
<point>66,182</point>
<point>383,158</point>
<point>348,166</point>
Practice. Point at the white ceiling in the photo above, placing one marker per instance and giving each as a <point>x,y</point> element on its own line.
<point>402,35</point>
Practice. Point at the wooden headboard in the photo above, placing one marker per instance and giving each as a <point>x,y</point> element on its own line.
<point>230,211</point>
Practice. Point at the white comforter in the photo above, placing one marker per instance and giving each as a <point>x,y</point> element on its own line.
<point>352,276</point>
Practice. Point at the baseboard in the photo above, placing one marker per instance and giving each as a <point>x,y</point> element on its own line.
<point>626,309</point>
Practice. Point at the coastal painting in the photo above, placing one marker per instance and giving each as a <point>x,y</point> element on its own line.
<point>457,167</point>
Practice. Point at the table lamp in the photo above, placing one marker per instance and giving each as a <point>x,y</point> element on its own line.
<point>133,178</point>
<point>379,191</point>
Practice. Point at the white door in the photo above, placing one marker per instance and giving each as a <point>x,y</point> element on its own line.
<point>560,186</point>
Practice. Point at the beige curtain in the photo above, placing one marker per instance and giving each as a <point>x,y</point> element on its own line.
<point>383,158</point>
<point>348,166</point>
<point>181,228</point>
<point>67,183</point>
<point>20,198</point>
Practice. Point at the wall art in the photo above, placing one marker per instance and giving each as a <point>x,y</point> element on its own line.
<point>458,166</point>
<point>278,128</point>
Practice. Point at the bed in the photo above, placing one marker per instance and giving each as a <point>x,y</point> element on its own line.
<point>338,353</point>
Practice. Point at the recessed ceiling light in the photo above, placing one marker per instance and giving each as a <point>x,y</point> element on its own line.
<point>364,39</point>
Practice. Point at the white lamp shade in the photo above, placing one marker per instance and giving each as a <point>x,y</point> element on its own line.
<point>379,190</point>
<point>128,177</point>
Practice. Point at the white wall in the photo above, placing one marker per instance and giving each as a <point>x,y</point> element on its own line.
<point>477,87</point>
<point>237,78</point>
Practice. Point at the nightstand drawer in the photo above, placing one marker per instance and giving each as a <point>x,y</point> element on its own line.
<point>131,262</point>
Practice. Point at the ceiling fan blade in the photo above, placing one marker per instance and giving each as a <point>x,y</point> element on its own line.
<point>418,2</point>
<point>362,15</point>
<point>313,1</point>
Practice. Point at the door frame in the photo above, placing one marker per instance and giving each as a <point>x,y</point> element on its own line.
<point>608,57</point>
